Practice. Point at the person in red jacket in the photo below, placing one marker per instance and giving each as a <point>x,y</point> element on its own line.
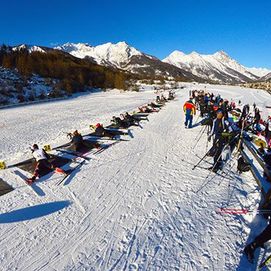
<point>190,110</point>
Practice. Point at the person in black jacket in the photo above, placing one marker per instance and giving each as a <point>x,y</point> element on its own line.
<point>77,142</point>
<point>220,125</point>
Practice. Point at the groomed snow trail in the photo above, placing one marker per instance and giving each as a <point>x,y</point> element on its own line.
<point>137,206</point>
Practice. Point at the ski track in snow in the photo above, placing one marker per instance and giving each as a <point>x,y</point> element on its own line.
<point>137,205</point>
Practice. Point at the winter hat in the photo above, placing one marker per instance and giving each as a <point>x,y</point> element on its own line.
<point>34,147</point>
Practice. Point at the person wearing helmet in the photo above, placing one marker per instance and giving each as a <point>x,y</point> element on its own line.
<point>43,165</point>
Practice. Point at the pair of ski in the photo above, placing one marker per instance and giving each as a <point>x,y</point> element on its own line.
<point>65,174</point>
<point>83,155</point>
<point>70,171</point>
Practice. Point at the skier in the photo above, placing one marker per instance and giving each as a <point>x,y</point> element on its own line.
<point>43,165</point>
<point>131,119</point>
<point>154,105</point>
<point>257,119</point>
<point>102,132</point>
<point>232,105</point>
<point>77,141</point>
<point>163,98</point>
<point>245,111</point>
<point>268,131</point>
<point>146,109</point>
<point>158,100</point>
<point>171,95</point>
<point>189,110</point>
<point>121,123</point>
<point>220,125</point>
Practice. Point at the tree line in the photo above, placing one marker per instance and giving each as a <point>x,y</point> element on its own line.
<point>73,74</point>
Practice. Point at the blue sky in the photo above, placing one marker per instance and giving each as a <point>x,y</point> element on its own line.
<point>241,28</point>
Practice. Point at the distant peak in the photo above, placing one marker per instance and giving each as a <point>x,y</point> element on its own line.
<point>194,53</point>
<point>221,53</point>
<point>71,44</point>
<point>177,53</point>
<point>122,43</point>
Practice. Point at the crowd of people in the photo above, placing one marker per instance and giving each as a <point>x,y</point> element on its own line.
<point>229,122</point>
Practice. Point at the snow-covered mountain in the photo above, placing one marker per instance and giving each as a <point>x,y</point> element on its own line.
<point>265,78</point>
<point>30,48</point>
<point>217,67</point>
<point>125,57</point>
<point>117,55</point>
<point>259,71</point>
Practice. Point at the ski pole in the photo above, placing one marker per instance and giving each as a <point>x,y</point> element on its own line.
<point>206,154</point>
<point>224,147</point>
<point>200,132</point>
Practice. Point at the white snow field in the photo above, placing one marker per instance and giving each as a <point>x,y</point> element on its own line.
<point>136,206</point>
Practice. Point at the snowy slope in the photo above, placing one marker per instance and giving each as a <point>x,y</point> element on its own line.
<point>260,72</point>
<point>15,89</point>
<point>217,67</point>
<point>267,77</point>
<point>136,206</point>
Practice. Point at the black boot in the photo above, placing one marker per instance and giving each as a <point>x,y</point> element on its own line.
<point>249,251</point>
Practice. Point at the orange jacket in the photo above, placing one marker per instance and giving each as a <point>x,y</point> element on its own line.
<point>189,108</point>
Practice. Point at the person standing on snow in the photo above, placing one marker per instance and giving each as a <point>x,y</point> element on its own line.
<point>220,128</point>
<point>43,165</point>
<point>189,110</point>
<point>268,131</point>
<point>245,111</point>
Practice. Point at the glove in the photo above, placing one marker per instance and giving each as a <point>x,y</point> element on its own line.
<point>209,138</point>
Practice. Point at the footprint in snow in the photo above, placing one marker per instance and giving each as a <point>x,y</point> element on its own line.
<point>133,267</point>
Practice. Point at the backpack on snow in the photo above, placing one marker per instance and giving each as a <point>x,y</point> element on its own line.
<point>242,165</point>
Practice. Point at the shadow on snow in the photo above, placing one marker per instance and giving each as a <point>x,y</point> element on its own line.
<point>33,212</point>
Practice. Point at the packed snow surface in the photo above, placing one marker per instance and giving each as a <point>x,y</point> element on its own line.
<point>136,206</point>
